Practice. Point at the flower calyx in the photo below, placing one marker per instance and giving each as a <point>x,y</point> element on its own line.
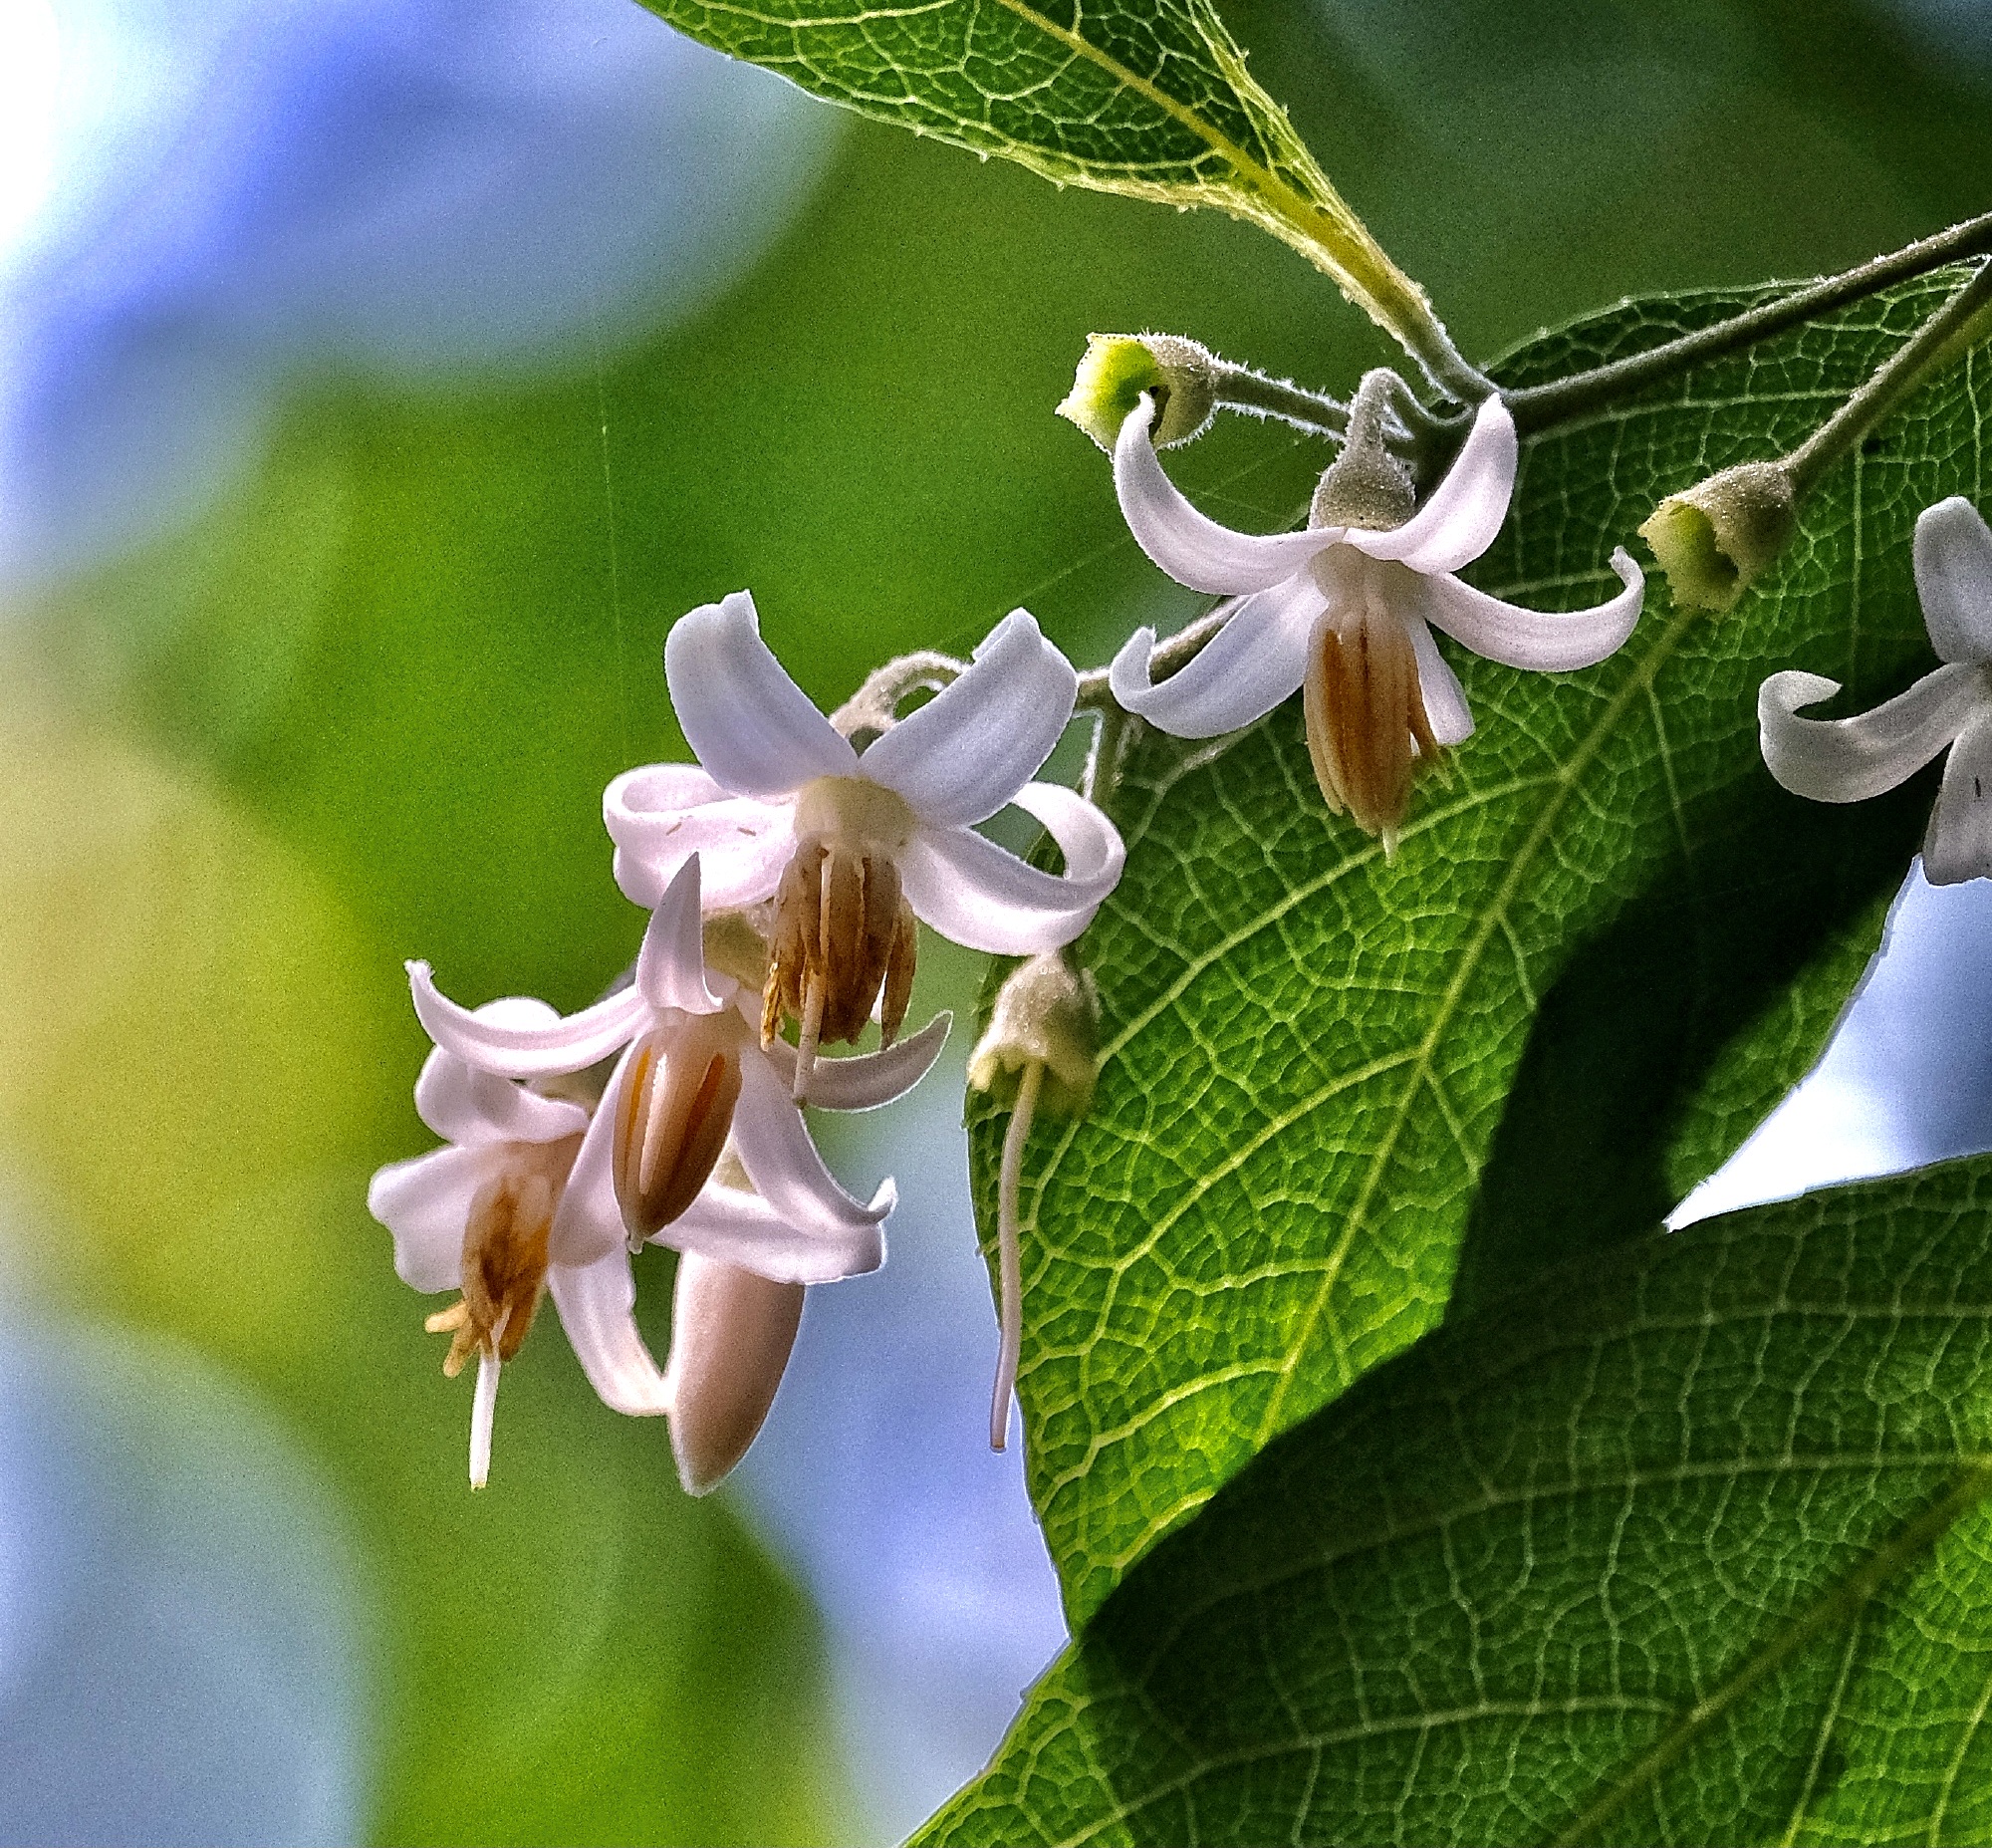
<point>1181,374</point>
<point>1715,539</point>
<point>1046,1013</point>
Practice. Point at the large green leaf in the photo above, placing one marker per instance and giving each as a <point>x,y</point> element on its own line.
<point>1333,1079</point>
<point>1689,1545</point>
<point>1149,98</point>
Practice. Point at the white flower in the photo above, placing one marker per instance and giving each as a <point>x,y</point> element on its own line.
<point>692,1079</point>
<point>853,847</point>
<point>1347,613</point>
<point>479,1215</point>
<point>1850,759</point>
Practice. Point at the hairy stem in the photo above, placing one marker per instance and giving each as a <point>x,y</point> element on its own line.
<point>1239,387</point>
<point>1939,340</point>
<point>875,706</point>
<point>1542,406</point>
<point>1009,1253</point>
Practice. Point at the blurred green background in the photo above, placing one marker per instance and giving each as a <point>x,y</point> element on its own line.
<point>362,703</point>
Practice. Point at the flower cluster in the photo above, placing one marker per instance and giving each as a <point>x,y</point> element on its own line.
<point>787,873</point>
<point>784,873</point>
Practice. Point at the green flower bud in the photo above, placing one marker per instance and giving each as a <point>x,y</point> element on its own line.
<point>1046,1013</point>
<point>1722,533</point>
<point>1119,368</point>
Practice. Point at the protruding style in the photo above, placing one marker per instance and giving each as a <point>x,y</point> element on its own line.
<point>1044,1037</point>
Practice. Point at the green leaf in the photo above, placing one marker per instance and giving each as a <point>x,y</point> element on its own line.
<point>1334,1080</point>
<point>1148,97</point>
<point>1689,1545</point>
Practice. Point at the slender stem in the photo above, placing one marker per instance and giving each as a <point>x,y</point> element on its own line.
<point>1009,1253</point>
<point>1239,387</point>
<point>1934,343</point>
<point>1538,408</point>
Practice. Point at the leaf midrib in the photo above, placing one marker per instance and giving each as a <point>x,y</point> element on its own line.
<point>1843,1600</point>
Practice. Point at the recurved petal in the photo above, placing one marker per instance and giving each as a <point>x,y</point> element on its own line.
<point>773,1147</point>
<point>1850,759</point>
<point>570,1043</point>
<point>738,1228</point>
<point>1450,717</point>
<point>1959,843</point>
<point>1464,512</point>
<point>961,756</point>
<point>753,728</point>
<point>864,1080</point>
<point>742,844</point>
<point>1255,661</point>
<point>1191,548</point>
<point>1953,552</point>
<point>982,896</point>
<point>1534,639</point>
<point>598,1308</point>
<point>426,1203</point>
<point>671,967</point>
<point>1093,851</point>
<point>472,1108</point>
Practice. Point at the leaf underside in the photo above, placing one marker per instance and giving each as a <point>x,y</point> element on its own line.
<point>1335,1085</point>
<point>1689,1545</point>
<point>1142,97</point>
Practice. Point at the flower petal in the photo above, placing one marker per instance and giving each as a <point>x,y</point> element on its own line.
<point>742,844</point>
<point>426,1203</point>
<point>1450,717</point>
<point>1534,638</point>
<point>1953,550</point>
<point>598,1304</point>
<point>1093,851</point>
<point>1255,661</point>
<point>571,1044</point>
<point>751,727</point>
<point>587,1222</point>
<point>961,756</point>
<point>671,967</point>
<point>1850,759</point>
<point>1463,514</point>
<point>866,1079</point>
<point>472,1108</point>
<point>741,1228</point>
<point>1959,843</point>
<point>982,896</point>
<point>773,1147</point>
<point>1191,548</point>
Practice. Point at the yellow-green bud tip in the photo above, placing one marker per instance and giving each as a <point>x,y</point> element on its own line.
<point>1046,1013</point>
<point>1119,368</point>
<point>1713,540</point>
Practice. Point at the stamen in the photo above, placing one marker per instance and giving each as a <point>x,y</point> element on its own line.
<point>1009,1253</point>
<point>1368,731</point>
<point>807,1038</point>
<point>899,958</point>
<point>672,1118</point>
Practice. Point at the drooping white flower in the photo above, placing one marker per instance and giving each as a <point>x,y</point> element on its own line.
<point>692,1079</point>
<point>480,1216</point>
<point>1346,613</point>
<point>1850,759</point>
<point>852,846</point>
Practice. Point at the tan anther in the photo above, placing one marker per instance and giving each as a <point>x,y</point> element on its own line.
<point>841,930</point>
<point>673,1115</point>
<point>1366,728</point>
<point>505,1253</point>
